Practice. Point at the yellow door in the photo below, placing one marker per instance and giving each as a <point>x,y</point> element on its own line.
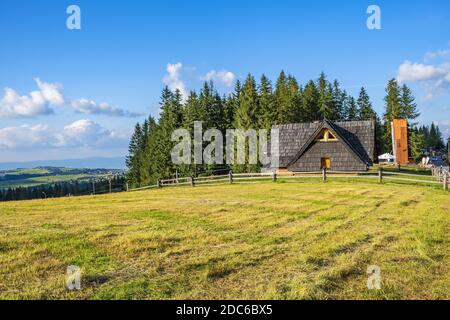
<point>325,163</point>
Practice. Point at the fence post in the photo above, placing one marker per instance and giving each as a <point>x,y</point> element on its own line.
<point>192,182</point>
<point>324,174</point>
<point>158,183</point>
<point>110,186</point>
<point>93,187</point>
<point>445,181</point>
<point>274,176</point>
<point>230,176</point>
<point>128,189</point>
<point>380,175</point>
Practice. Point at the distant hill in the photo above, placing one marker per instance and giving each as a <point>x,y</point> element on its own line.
<point>28,177</point>
<point>88,163</point>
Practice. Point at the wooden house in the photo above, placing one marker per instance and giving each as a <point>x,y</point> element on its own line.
<point>336,146</point>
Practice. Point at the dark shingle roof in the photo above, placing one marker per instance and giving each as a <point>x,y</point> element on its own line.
<point>358,137</point>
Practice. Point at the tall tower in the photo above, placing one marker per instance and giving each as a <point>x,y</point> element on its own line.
<point>400,140</point>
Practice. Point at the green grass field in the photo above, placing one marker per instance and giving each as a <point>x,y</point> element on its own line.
<point>35,181</point>
<point>251,241</point>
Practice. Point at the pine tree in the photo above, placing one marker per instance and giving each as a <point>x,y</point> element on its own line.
<point>148,152</point>
<point>434,139</point>
<point>366,112</point>
<point>408,111</point>
<point>192,112</point>
<point>267,109</point>
<point>285,112</point>
<point>338,101</point>
<point>392,101</point>
<point>439,141</point>
<point>247,112</point>
<point>295,100</point>
<point>416,143</point>
<point>134,157</point>
<point>310,106</point>
<point>325,98</point>
<point>247,117</point>
<point>352,110</point>
<point>214,115</point>
<point>232,104</point>
<point>170,120</point>
<point>365,109</point>
<point>211,104</point>
<point>345,105</point>
<point>408,108</point>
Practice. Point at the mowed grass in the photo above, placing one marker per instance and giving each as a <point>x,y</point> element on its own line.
<point>255,241</point>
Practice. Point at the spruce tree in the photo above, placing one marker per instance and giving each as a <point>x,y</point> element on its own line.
<point>232,104</point>
<point>345,105</point>
<point>352,109</point>
<point>267,109</point>
<point>392,104</point>
<point>192,112</point>
<point>282,100</point>
<point>170,120</point>
<point>310,106</point>
<point>133,160</point>
<point>338,101</point>
<point>247,118</point>
<point>148,152</point>
<point>211,107</point>
<point>365,109</point>
<point>408,108</point>
<point>295,100</point>
<point>325,98</point>
<point>416,143</point>
<point>247,112</point>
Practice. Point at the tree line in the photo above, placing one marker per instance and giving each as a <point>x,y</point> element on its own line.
<point>63,189</point>
<point>259,105</point>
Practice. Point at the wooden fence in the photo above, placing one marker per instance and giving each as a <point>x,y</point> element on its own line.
<point>381,176</point>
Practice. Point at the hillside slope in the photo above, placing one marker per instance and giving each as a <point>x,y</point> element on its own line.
<point>267,240</point>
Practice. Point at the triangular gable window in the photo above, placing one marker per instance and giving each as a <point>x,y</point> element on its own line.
<point>325,136</point>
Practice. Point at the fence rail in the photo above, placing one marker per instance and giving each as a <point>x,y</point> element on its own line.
<point>324,175</point>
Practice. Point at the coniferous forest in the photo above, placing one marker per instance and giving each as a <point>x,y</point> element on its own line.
<point>64,189</point>
<point>260,105</point>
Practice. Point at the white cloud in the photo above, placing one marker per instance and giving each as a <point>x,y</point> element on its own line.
<point>411,72</point>
<point>51,92</point>
<point>435,77</point>
<point>35,103</point>
<point>86,106</point>
<point>85,132</point>
<point>39,102</point>
<point>439,54</point>
<point>223,77</point>
<point>173,78</point>
<point>81,133</point>
<point>25,136</point>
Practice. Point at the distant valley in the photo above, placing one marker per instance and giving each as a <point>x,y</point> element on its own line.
<point>29,177</point>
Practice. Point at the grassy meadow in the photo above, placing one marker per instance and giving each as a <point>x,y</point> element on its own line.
<point>267,240</point>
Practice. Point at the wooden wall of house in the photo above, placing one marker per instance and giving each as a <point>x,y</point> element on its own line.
<point>341,158</point>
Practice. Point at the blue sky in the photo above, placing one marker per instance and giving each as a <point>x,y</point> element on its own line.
<point>78,93</point>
